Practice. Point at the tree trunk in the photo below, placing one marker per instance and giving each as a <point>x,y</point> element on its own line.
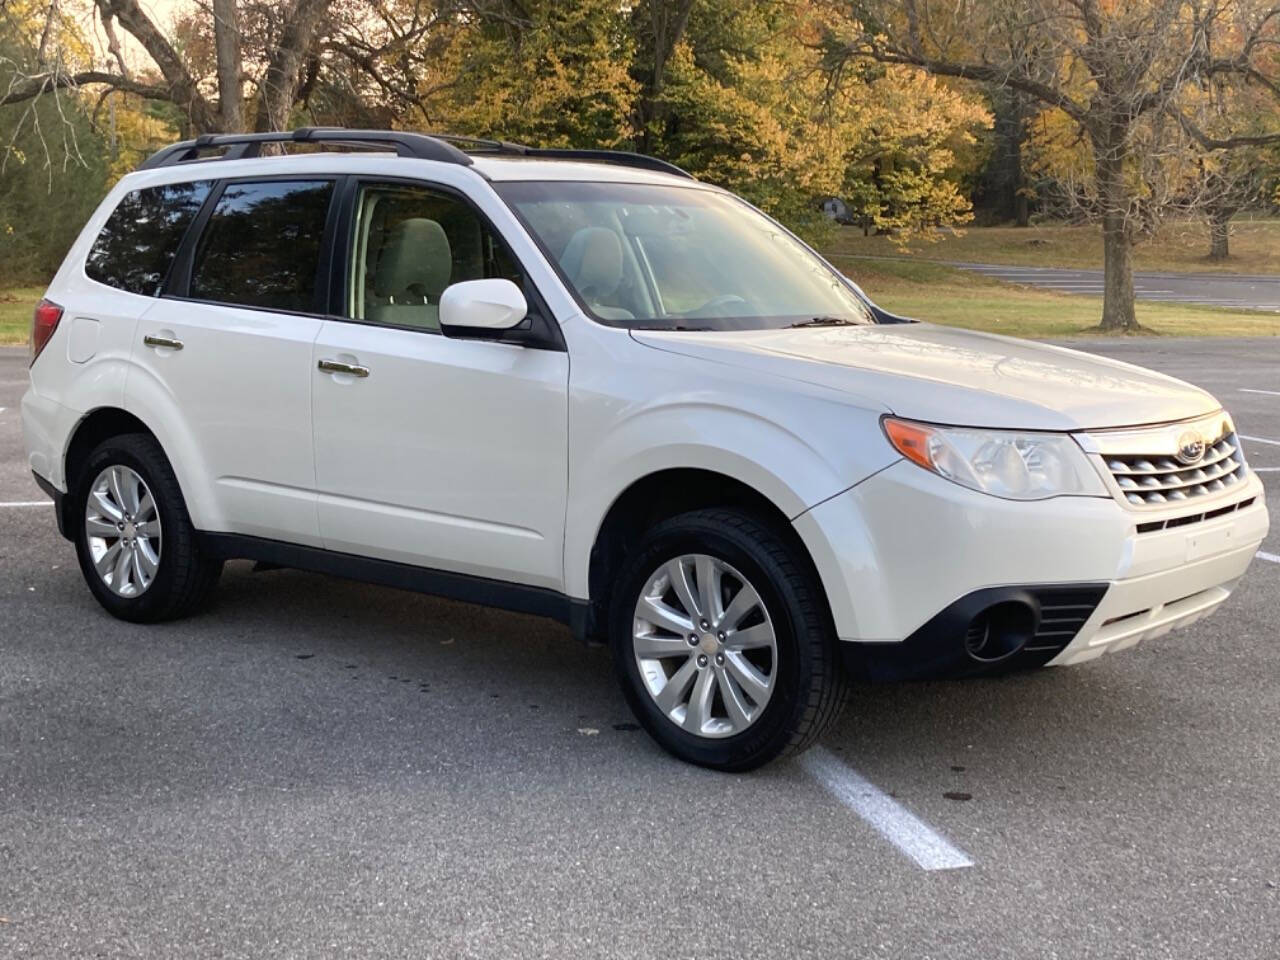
<point>1117,235</point>
<point>226,32</point>
<point>1022,209</point>
<point>668,20</point>
<point>1117,283</point>
<point>1220,234</point>
<point>279,88</point>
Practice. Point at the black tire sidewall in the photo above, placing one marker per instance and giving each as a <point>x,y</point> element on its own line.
<point>772,733</point>
<point>144,458</point>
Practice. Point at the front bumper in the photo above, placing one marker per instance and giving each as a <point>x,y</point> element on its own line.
<point>903,548</point>
<point>1142,608</point>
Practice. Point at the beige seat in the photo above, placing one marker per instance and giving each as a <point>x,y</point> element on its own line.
<point>592,260</point>
<point>412,271</point>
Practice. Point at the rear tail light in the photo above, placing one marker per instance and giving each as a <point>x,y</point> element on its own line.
<point>43,324</point>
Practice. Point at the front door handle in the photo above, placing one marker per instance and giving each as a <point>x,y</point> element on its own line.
<point>337,366</point>
<point>170,342</point>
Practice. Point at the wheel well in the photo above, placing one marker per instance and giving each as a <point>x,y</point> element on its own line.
<point>654,498</point>
<point>101,424</point>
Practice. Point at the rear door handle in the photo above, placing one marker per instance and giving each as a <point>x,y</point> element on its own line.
<point>170,342</point>
<point>337,366</point>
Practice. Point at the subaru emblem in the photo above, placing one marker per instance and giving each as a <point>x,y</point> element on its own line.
<point>1190,448</point>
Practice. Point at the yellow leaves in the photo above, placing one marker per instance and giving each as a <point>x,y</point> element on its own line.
<point>563,82</point>
<point>1058,148</point>
<point>71,48</point>
<point>136,131</point>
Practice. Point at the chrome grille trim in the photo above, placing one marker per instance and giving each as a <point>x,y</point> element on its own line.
<point>1145,470</point>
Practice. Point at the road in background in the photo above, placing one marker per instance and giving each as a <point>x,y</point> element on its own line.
<point>1209,289</point>
<point>322,768</point>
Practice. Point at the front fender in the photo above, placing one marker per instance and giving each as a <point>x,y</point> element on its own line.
<point>788,467</point>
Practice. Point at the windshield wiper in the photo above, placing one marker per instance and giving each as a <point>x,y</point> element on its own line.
<point>678,327</point>
<point>822,322</point>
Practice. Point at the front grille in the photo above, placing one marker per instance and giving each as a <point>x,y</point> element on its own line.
<point>1191,518</point>
<point>1147,480</point>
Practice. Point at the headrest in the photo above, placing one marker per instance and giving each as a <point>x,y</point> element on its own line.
<point>416,261</point>
<point>593,261</point>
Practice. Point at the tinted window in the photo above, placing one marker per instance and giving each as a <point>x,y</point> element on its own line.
<point>409,244</point>
<point>261,247</point>
<point>138,242</point>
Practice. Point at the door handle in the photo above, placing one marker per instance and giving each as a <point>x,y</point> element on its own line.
<point>337,366</point>
<point>170,342</point>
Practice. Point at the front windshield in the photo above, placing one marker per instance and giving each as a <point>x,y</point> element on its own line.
<point>679,258</point>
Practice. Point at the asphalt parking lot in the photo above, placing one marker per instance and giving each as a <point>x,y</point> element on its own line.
<point>1233,291</point>
<point>319,768</point>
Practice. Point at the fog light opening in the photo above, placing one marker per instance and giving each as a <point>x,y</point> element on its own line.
<point>999,632</point>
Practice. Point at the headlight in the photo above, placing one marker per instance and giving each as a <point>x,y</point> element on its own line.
<point>1004,463</point>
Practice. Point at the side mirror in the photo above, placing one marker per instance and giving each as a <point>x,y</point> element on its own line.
<point>478,308</point>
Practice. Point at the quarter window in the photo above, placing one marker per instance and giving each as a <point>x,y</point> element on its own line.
<point>261,247</point>
<point>409,244</point>
<point>141,237</point>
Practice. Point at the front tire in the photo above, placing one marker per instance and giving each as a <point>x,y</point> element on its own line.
<point>723,642</point>
<point>134,538</point>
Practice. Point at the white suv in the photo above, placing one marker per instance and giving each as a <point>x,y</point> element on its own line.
<point>583,385</point>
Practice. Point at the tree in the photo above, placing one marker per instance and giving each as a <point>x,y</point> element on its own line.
<point>41,141</point>
<point>1114,68</point>
<point>542,71</point>
<point>740,95</point>
<point>226,31</point>
<point>745,97</point>
<point>287,44</point>
<point>1004,186</point>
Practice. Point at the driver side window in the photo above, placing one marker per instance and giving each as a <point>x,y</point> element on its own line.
<point>409,244</point>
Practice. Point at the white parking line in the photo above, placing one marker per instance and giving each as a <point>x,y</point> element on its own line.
<point>1274,558</point>
<point>1265,469</point>
<point>1275,443</point>
<point>27,503</point>
<point>1269,393</point>
<point>930,849</point>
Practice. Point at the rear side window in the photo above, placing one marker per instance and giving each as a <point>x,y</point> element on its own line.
<point>139,240</point>
<point>261,246</point>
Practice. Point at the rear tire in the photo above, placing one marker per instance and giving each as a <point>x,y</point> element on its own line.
<point>149,568</point>
<point>773,681</point>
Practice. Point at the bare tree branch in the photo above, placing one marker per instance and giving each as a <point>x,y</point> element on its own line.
<point>183,89</point>
<point>48,82</point>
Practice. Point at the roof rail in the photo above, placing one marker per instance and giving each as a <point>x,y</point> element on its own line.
<point>505,147</point>
<point>241,145</point>
<point>445,147</point>
<point>622,157</point>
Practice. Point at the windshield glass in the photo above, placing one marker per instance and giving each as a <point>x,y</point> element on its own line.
<point>676,258</point>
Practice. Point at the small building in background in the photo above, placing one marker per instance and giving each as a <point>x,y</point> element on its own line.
<point>836,209</point>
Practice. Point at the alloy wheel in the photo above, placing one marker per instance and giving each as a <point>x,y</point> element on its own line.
<point>122,527</point>
<point>705,646</point>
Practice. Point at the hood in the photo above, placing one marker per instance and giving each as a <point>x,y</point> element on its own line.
<point>951,376</point>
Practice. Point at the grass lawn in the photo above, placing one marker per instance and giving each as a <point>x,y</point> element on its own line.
<point>1180,247</point>
<point>16,307</point>
<point>931,291</point>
